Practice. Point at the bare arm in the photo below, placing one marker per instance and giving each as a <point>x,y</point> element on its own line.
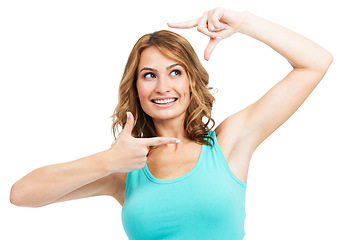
<point>310,63</point>
<point>309,60</point>
<point>252,125</point>
<point>47,184</point>
<point>94,175</point>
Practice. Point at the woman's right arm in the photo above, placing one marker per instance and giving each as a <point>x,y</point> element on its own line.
<point>94,175</point>
<point>48,184</point>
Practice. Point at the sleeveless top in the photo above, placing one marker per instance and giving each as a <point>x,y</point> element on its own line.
<point>208,202</point>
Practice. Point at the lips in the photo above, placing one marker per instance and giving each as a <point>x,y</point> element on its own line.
<point>164,103</point>
<point>163,100</point>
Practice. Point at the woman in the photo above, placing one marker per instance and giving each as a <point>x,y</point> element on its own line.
<point>179,179</point>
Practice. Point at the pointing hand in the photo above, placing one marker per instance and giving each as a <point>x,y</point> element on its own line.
<point>128,153</point>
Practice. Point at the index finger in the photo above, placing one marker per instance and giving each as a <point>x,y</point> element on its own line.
<point>186,24</point>
<point>156,141</point>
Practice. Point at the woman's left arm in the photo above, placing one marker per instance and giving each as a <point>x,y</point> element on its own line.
<point>309,60</point>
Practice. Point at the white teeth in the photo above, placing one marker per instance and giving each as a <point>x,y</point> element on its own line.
<point>165,100</point>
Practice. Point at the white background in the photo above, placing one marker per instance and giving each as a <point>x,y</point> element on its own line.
<point>60,67</point>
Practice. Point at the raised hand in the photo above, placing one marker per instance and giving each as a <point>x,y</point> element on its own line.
<point>218,24</point>
<point>128,153</point>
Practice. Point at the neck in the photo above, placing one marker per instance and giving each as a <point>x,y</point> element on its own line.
<point>171,128</point>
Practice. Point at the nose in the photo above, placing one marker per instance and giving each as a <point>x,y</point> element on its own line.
<point>162,85</point>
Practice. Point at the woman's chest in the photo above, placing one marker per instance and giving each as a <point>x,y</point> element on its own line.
<point>208,199</point>
<point>166,165</point>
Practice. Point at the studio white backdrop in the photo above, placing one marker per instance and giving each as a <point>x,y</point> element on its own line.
<point>60,67</point>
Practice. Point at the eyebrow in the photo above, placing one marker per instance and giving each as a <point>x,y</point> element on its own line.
<point>155,70</point>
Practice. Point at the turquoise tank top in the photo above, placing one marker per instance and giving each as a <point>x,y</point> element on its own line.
<point>208,202</point>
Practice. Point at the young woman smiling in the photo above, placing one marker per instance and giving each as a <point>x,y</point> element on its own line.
<point>176,177</point>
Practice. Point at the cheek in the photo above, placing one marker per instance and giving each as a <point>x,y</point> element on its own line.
<point>141,90</point>
<point>144,92</point>
<point>185,89</point>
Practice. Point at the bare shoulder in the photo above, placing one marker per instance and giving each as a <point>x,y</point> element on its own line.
<point>235,145</point>
<point>118,185</point>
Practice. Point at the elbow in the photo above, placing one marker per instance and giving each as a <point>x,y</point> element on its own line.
<point>328,61</point>
<point>15,196</point>
<point>325,63</point>
<point>319,63</point>
<point>18,197</point>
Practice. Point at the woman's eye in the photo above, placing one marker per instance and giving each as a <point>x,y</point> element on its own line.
<point>176,72</point>
<point>149,75</point>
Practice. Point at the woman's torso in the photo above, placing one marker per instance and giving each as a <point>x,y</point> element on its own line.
<point>203,200</point>
<point>172,167</point>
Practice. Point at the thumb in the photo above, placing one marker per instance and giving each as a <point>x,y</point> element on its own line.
<point>227,32</point>
<point>210,47</point>
<point>129,123</point>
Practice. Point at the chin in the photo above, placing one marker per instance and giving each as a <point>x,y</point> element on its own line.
<point>165,115</point>
<point>168,113</point>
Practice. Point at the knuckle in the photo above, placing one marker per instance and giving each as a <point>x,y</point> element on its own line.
<point>214,20</point>
<point>217,25</point>
<point>139,144</point>
<point>211,27</point>
<point>200,29</point>
<point>144,152</point>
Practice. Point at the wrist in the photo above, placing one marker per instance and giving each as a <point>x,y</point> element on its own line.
<point>110,160</point>
<point>247,19</point>
<point>104,161</point>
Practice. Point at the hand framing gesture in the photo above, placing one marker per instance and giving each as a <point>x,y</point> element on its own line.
<point>218,23</point>
<point>129,153</point>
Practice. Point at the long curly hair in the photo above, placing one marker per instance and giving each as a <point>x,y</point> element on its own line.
<point>176,47</point>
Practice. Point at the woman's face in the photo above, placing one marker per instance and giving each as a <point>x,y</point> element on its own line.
<point>162,85</point>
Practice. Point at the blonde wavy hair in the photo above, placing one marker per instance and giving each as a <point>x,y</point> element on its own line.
<point>176,47</point>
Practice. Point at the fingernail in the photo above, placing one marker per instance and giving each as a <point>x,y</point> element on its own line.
<point>178,141</point>
<point>127,115</point>
<point>219,38</point>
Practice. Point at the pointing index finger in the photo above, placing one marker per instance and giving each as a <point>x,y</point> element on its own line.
<point>156,141</point>
<point>186,24</point>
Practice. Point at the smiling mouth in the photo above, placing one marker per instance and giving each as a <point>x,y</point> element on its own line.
<point>164,101</point>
